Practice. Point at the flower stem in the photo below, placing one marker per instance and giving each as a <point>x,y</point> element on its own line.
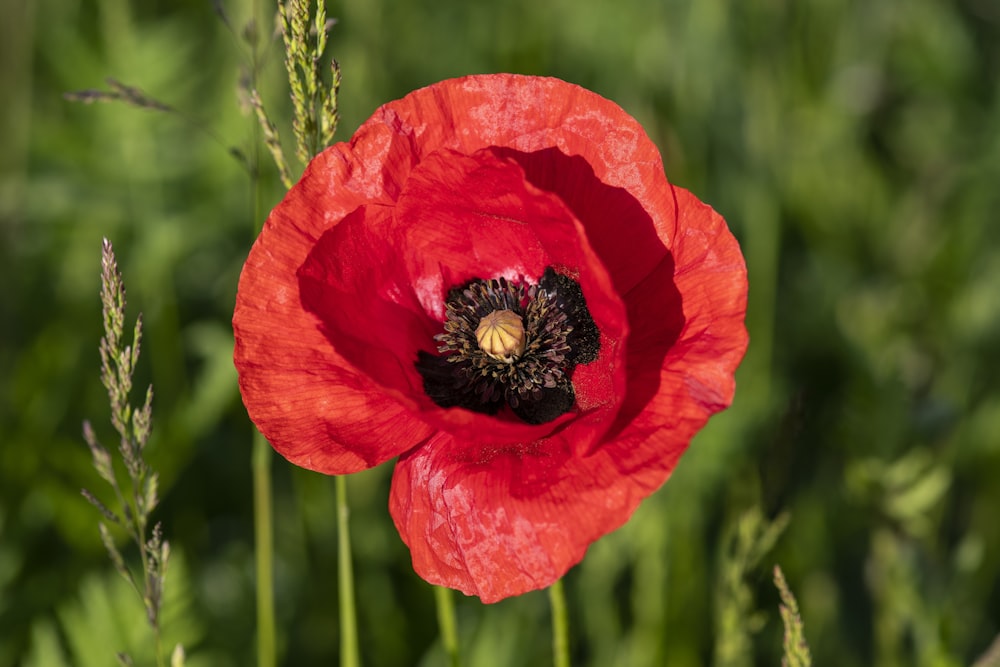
<point>262,453</point>
<point>560,625</point>
<point>447,624</point>
<point>264,548</point>
<point>349,656</point>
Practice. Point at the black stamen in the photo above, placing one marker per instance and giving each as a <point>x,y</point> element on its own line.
<point>559,334</point>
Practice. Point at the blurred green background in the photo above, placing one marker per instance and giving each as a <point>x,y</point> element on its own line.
<point>854,148</point>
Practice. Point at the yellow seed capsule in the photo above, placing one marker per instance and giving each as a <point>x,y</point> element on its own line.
<point>501,335</point>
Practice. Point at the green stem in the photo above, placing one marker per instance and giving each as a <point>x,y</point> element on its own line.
<point>447,625</point>
<point>349,656</point>
<point>560,625</point>
<point>262,453</point>
<point>264,549</point>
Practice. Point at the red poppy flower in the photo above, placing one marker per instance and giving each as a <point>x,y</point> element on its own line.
<point>494,281</point>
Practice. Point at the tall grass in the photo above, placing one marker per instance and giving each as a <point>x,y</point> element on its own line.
<point>853,147</point>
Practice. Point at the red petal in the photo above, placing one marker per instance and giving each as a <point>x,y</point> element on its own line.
<point>510,525</point>
<point>680,371</point>
<point>313,406</point>
<point>354,281</point>
<point>571,141</point>
<point>711,275</point>
<point>492,508</point>
<point>475,524</point>
<point>508,228</point>
<point>519,520</point>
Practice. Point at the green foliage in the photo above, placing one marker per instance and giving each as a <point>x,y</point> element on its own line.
<point>315,110</point>
<point>102,621</point>
<point>119,92</point>
<point>136,499</point>
<point>271,139</point>
<point>745,542</point>
<point>853,147</point>
<point>796,648</point>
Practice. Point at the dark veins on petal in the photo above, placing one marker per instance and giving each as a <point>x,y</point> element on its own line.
<point>531,371</point>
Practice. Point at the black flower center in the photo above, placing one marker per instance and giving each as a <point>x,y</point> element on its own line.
<point>513,344</point>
